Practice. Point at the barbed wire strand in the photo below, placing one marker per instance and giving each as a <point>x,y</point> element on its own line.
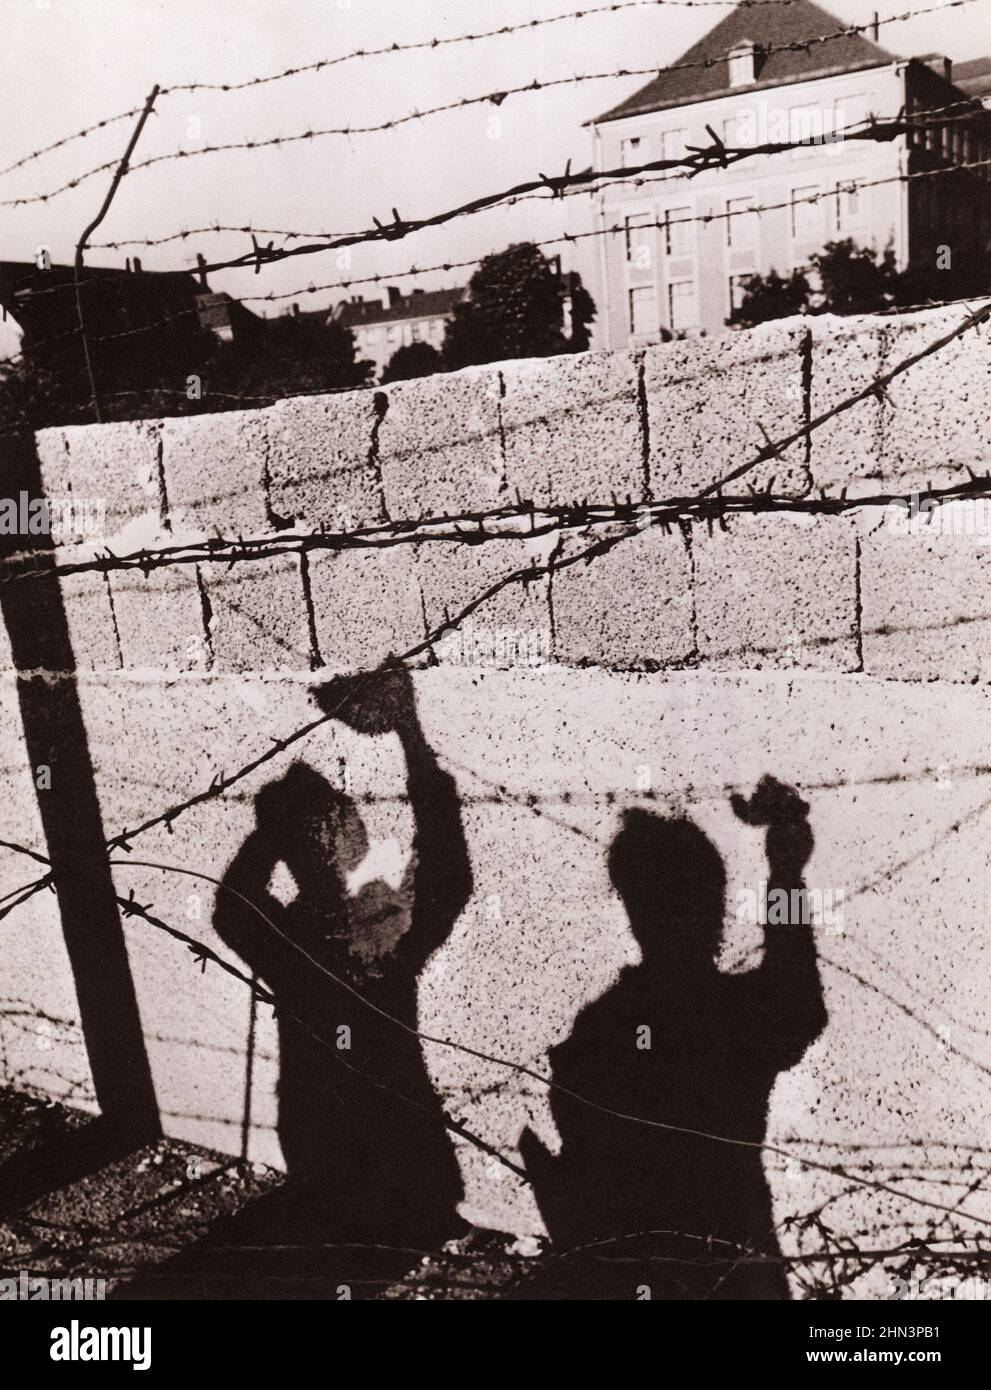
<point>495,98</point>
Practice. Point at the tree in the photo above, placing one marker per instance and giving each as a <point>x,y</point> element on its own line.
<point>289,356</point>
<point>771,296</point>
<point>413,360</point>
<point>515,309</point>
<point>852,280</point>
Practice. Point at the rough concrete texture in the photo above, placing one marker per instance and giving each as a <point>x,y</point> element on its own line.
<point>890,751</point>
<point>119,463</point>
<point>709,401</point>
<point>366,604</point>
<point>321,466</point>
<point>632,607</point>
<point>847,356</point>
<point>937,419</point>
<point>215,478</point>
<point>90,618</point>
<point>895,776</point>
<point>572,428</point>
<point>256,618</point>
<point>159,619</point>
<point>926,606</point>
<point>777,591</point>
<point>440,445</point>
<point>516,617</point>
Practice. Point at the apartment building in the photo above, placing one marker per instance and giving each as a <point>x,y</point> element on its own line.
<point>675,251</point>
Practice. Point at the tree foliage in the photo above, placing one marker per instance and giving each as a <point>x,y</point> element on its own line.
<point>515,309</point>
<point>412,360</point>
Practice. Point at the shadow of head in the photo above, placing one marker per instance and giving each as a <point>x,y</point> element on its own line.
<point>315,827</point>
<point>673,884</point>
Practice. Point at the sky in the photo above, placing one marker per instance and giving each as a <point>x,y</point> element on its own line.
<point>65,64</point>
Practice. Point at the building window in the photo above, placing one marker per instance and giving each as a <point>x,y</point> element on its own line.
<point>737,290</point>
<point>643,311</point>
<point>806,217</point>
<point>806,124</point>
<point>415,331</point>
<point>639,230</point>
<point>632,151</point>
<point>678,231</point>
<point>742,65</point>
<point>673,147</point>
<point>847,206</point>
<point>393,335</point>
<point>683,310</point>
<point>741,224</point>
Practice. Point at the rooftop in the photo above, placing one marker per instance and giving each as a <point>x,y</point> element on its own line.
<point>768,28</point>
<point>420,304</point>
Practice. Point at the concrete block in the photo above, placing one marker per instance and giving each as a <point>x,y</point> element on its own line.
<point>92,630</point>
<point>257,615</point>
<point>53,456</point>
<point>847,356</point>
<point>707,399</point>
<point>119,463</point>
<point>440,445</point>
<point>214,469</point>
<point>777,592</point>
<point>366,605</point>
<point>321,461</point>
<point>926,605</point>
<point>937,421</point>
<point>160,619</point>
<point>630,607</point>
<point>513,626</point>
<point>572,428</point>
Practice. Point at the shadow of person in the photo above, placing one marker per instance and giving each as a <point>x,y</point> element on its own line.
<point>696,1052</point>
<point>370,1165</point>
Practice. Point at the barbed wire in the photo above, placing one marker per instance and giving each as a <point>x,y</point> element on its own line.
<point>258,258</point>
<point>592,182</point>
<point>659,514</point>
<point>494,98</point>
<point>388,50</point>
<point>215,227</point>
<point>203,955</point>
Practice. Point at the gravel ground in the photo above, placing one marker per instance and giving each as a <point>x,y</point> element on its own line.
<point>175,1221</point>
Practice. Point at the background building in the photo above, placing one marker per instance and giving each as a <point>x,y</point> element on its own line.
<point>669,270</point>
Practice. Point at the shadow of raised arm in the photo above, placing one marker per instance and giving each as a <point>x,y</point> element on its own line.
<point>384,702</point>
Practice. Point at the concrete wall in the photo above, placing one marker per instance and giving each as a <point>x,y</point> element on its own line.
<point>837,653</point>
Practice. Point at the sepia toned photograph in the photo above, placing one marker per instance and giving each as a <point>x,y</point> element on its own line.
<point>495,668</point>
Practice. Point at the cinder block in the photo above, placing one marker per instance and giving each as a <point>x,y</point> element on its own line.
<point>320,463</point>
<point>119,463</point>
<point>214,469</point>
<point>160,619</point>
<point>776,592</point>
<point>937,421</point>
<point>513,626</point>
<point>86,597</point>
<point>257,615</point>
<point>572,428</point>
<point>630,607</point>
<point>848,355</point>
<point>366,605</point>
<point>440,446</point>
<point>53,458</point>
<point>926,605</point>
<point>709,401</point>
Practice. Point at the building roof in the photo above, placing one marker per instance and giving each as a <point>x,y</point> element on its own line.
<point>973,77</point>
<point>767,27</point>
<point>422,304</point>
